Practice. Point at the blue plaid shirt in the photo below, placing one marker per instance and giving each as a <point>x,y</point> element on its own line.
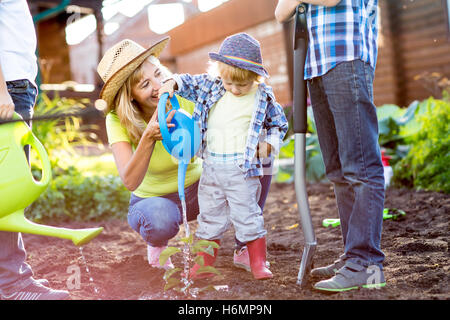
<point>345,32</point>
<point>268,122</point>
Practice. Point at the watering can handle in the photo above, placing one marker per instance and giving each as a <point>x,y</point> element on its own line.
<point>31,139</point>
<point>162,115</point>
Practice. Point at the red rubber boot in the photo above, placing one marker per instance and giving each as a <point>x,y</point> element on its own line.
<point>208,261</point>
<point>257,254</point>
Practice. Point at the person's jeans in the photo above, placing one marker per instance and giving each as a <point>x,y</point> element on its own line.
<point>157,219</point>
<point>347,128</point>
<point>15,273</point>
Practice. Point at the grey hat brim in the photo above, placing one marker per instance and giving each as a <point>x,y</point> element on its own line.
<point>240,64</point>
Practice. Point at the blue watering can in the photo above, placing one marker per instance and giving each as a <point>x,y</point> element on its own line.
<point>181,141</point>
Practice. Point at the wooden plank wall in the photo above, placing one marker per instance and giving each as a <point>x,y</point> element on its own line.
<point>191,53</point>
<point>421,40</point>
<point>385,87</point>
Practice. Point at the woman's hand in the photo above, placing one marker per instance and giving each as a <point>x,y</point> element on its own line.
<point>152,131</point>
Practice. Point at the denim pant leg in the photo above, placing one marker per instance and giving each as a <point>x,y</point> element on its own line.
<point>347,127</point>
<point>157,219</point>
<point>15,273</point>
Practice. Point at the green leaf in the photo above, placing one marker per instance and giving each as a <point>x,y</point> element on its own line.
<point>166,253</point>
<point>209,287</point>
<point>188,240</point>
<point>170,272</point>
<point>208,269</point>
<point>199,260</point>
<point>204,246</point>
<point>172,283</point>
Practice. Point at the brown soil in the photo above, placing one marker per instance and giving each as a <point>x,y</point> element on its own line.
<point>416,248</point>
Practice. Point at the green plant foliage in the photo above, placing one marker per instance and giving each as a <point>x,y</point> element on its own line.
<point>72,195</point>
<point>315,169</point>
<point>426,166</point>
<point>395,126</point>
<point>63,135</point>
<point>174,278</point>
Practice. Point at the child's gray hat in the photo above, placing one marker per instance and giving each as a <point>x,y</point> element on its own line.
<point>243,51</point>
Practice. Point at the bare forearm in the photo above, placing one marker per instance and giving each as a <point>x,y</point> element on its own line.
<point>133,166</point>
<point>6,103</point>
<point>3,87</point>
<point>285,8</point>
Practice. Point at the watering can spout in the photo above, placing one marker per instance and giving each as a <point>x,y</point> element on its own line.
<point>16,222</point>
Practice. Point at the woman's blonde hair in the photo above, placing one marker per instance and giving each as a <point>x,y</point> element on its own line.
<point>223,70</point>
<point>128,110</point>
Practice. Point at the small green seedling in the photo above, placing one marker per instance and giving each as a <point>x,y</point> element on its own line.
<point>177,278</point>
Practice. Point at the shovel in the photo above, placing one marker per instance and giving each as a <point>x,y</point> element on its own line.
<point>300,128</point>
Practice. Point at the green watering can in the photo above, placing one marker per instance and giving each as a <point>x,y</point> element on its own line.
<point>18,188</point>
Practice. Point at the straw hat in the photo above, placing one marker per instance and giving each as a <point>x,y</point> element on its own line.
<point>120,61</point>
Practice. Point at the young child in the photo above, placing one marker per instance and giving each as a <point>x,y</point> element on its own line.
<point>240,125</point>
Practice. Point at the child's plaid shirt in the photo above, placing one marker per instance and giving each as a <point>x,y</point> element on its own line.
<point>268,122</point>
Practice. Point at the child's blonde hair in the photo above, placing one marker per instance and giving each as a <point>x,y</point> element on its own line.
<point>223,70</point>
<point>128,111</point>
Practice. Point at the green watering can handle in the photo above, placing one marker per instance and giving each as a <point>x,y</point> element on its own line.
<point>30,138</point>
<point>46,168</point>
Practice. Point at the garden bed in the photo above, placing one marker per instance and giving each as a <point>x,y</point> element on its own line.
<point>416,248</point>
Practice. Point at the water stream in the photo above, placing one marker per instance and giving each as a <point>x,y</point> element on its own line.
<point>91,279</point>
<point>186,252</point>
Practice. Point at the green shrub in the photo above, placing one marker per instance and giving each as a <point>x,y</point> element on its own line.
<point>426,166</point>
<point>315,168</point>
<point>395,126</point>
<point>72,195</point>
<point>61,137</point>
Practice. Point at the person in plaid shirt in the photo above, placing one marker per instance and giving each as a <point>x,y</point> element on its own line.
<point>339,69</point>
<point>241,125</point>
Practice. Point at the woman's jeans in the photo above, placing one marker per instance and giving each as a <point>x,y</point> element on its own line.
<point>157,219</point>
<point>15,273</point>
<point>347,128</point>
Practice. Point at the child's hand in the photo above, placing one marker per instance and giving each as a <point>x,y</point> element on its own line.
<point>264,150</point>
<point>167,86</point>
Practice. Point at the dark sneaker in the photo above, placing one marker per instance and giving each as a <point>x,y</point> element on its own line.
<point>353,276</point>
<point>328,271</point>
<point>36,291</point>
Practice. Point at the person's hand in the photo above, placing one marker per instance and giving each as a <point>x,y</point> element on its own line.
<point>152,131</point>
<point>264,149</point>
<point>6,106</point>
<point>167,86</point>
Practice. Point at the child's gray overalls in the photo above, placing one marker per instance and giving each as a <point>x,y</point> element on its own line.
<point>225,195</point>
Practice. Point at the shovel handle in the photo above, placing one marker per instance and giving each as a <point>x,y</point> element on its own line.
<point>300,91</point>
